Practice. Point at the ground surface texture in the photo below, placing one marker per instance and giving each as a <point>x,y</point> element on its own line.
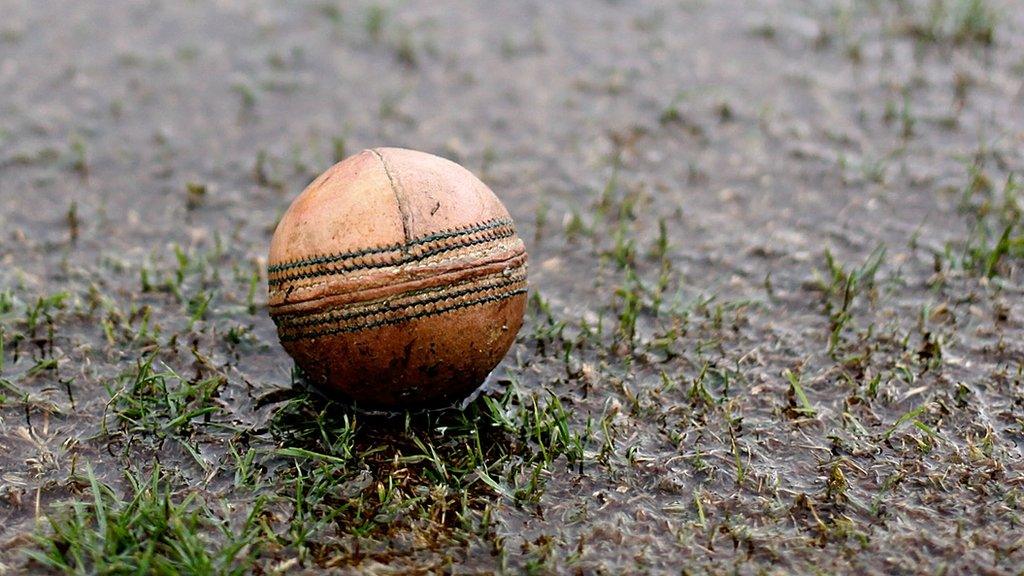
<point>775,319</point>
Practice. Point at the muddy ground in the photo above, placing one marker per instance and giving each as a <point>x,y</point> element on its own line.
<point>775,319</point>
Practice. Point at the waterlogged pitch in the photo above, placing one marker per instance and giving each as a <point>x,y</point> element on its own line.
<point>774,321</point>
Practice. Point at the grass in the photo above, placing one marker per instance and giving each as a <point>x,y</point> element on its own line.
<point>153,531</point>
<point>376,17</point>
<point>246,95</point>
<point>957,21</point>
<point>73,221</point>
<point>78,158</point>
<point>332,11</point>
<point>841,287</point>
<point>161,403</point>
<point>802,405</point>
<point>432,473</point>
<point>195,195</point>
<point>995,238</point>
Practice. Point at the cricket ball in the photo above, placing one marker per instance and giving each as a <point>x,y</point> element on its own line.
<point>397,280</point>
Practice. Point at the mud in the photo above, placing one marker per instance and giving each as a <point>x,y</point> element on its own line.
<point>768,287</point>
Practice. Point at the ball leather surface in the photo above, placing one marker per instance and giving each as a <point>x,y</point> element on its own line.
<point>396,279</point>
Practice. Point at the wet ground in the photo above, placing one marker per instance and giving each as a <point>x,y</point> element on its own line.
<point>775,320</point>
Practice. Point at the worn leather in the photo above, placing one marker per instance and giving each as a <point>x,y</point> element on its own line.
<point>397,279</point>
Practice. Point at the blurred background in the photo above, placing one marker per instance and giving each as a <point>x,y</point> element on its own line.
<point>121,107</point>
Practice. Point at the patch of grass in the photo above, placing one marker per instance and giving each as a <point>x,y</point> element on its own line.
<point>841,287</point>
<point>376,17</point>
<point>996,234</point>
<point>161,402</point>
<point>73,221</point>
<point>432,474</point>
<point>78,158</point>
<point>801,405</point>
<point>405,50</point>
<point>912,417</point>
<point>865,168</point>
<point>6,302</point>
<point>548,330</point>
<point>339,148</point>
<point>540,221</point>
<point>630,307</point>
<point>954,21</point>
<point>331,11</point>
<point>154,531</point>
<point>985,256</point>
<point>973,21</point>
<point>247,96</point>
<point>766,30</point>
<point>195,195</point>
<point>995,240</point>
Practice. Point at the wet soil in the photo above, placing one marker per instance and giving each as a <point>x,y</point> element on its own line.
<point>775,277</point>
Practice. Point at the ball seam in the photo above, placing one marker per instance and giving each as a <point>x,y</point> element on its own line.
<point>407,300</point>
<point>399,320</point>
<point>342,256</point>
